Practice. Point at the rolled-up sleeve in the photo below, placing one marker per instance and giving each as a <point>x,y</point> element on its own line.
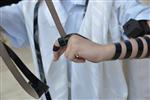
<point>133,9</point>
<point>12,21</point>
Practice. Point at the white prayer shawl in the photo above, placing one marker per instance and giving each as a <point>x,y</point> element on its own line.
<point>56,72</point>
<point>57,80</point>
<point>88,81</point>
<point>104,80</point>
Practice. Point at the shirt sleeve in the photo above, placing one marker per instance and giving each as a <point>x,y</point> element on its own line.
<point>12,21</point>
<point>128,9</point>
<point>133,9</point>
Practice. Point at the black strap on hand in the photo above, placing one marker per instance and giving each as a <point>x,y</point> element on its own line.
<point>63,41</point>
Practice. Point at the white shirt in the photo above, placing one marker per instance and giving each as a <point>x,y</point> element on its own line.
<point>104,80</point>
<point>19,27</point>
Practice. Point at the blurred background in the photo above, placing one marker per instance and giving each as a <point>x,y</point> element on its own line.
<point>9,88</point>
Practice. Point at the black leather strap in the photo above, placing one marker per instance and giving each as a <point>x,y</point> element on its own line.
<point>62,41</point>
<point>55,48</point>
<point>86,5</point>
<point>140,47</point>
<point>8,2</point>
<point>145,26</point>
<point>118,51</point>
<point>37,49</point>
<point>134,28</point>
<point>34,87</point>
<point>128,49</point>
<point>148,44</point>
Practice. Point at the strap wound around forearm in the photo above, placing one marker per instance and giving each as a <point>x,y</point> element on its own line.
<point>129,49</point>
<point>140,47</point>
<point>118,51</point>
<point>148,45</point>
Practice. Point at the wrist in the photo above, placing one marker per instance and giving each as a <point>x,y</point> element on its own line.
<point>106,52</point>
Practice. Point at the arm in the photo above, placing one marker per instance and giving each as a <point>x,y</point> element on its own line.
<point>12,22</point>
<point>80,49</point>
<point>110,50</point>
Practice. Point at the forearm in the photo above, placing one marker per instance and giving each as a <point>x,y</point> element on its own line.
<point>81,49</point>
<point>109,51</point>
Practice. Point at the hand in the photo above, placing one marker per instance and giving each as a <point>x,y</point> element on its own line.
<point>79,50</point>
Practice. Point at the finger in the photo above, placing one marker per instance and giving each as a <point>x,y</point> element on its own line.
<point>71,55</point>
<point>57,50</point>
<point>56,55</point>
<point>78,60</point>
<point>56,46</point>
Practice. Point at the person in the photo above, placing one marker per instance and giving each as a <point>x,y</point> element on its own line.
<point>68,80</point>
<point>117,79</point>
